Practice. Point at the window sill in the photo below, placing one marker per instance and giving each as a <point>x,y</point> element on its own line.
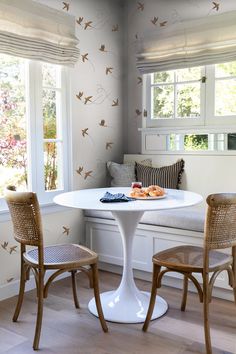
<point>190,130</point>
<point>50,208</point>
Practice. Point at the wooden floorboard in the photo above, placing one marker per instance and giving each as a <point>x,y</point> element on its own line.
<point>70,331</point>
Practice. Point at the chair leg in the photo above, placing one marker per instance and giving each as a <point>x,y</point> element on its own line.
<point>185,293</point>
<point>97,297</point>
<point>73,279</point>
<point>234,289</point>
<point>234,272</point>
<point>90,276</point>
<point>40,310</point>
<point>156,271</point>
<point>206,313</point>
<point>21,292</point>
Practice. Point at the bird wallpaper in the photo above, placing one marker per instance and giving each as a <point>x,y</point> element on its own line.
<point>105,99</point>
<point>96,119</point>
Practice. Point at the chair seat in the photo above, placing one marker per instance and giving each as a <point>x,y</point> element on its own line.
<point>190,258</point>
<point>62,256</point>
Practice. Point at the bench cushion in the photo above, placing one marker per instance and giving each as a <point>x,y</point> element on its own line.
<point>191,218</point>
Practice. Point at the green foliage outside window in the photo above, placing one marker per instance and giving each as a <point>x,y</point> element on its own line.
<point>13,132</point>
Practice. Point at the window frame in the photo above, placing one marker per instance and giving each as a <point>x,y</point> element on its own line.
<point>35,138</point>
<point>207,118</point>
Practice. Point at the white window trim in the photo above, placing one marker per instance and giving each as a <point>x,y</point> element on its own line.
<point>207,119</point>
<point>35,139</point>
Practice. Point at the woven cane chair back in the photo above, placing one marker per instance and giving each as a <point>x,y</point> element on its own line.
<point>26,218</point>
<point>220,224</point>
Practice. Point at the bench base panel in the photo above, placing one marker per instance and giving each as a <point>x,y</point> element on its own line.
<point>102,236</point>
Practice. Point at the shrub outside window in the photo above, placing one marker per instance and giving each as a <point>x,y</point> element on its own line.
<point>33,134</point>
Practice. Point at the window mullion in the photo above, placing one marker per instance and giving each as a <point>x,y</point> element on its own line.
<point>31,126</point>
<point>65,127</point>
<point>209,94</point>
<point>175,96</point>
<point>38,89</point>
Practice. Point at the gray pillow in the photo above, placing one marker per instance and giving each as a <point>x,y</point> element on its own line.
<point>122,175</point>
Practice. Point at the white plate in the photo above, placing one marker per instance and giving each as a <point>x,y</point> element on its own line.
<point>151,198</point>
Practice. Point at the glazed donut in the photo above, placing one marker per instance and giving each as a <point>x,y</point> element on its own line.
<point>138,193</point>
<point>152,191</point>
<point>156,193</point>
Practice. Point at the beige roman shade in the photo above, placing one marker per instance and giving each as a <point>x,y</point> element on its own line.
<point>203,41</point>
<point>35,31</point>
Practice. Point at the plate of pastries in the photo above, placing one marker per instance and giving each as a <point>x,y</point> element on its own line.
<point>148,193</point>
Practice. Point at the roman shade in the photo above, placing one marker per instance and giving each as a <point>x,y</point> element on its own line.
<point>198,42</point>
<point>34,31</point>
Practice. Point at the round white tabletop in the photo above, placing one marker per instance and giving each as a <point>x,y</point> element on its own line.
<point>90,199</point>
<point>127,304</point>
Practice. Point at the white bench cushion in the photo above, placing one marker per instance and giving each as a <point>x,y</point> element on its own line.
<point>186,218</point>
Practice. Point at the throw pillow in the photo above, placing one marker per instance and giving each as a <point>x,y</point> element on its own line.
<point>122,175</point>
<point>166,176</point>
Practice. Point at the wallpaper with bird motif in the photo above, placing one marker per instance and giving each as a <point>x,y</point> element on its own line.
<point>106,99</point>
<point>96,124</point>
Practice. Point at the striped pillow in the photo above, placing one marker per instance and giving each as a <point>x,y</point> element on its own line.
<point>166,176</point>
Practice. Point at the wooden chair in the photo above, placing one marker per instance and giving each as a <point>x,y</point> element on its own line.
<point>26,218</point>
<point>220,233</point>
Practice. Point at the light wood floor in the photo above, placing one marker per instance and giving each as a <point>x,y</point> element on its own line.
<point>70,331</point>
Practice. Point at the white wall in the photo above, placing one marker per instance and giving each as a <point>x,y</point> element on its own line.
<point>90,151</point>
<point>139,22</point>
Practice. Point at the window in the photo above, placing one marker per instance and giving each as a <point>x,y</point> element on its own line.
<point>33,135</point>
<point>201,142</point>
<point>198,96</point>
<point>225,89</point>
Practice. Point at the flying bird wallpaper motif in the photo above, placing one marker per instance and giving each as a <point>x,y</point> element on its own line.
<point>115,28</point>
<point>102,123</point>
<point>115,103</point>
<point>79,21</point>
<point>85,132</point>
<point>109,70</point>
<point>9,249</point>
<point>66,230</point>
<point>66,6</point>
<point>80,170</point>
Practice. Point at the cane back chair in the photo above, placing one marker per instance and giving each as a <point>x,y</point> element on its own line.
<point>219,233</point>
<point>27,224</point>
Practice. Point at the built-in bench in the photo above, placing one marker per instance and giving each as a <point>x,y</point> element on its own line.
<point>163,229</point>
<point>187,218</point>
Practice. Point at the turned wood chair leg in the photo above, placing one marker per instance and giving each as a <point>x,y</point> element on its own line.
<point>234,289</point>
<point>40,310</point>
<point>97,297</point>
<point>90,276</point>
<point>156,271</point>
<point>73,279</point>
<point>21,293</point>
<point>206,314</point>
<point>234,272</point>
<point>185,293</point>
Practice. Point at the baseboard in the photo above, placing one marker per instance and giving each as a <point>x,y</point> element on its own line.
<point>168,281</point>
<point>11,289</point>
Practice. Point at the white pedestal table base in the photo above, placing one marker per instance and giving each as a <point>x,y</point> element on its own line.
<point>128,304</point>
<point>122,310</point>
